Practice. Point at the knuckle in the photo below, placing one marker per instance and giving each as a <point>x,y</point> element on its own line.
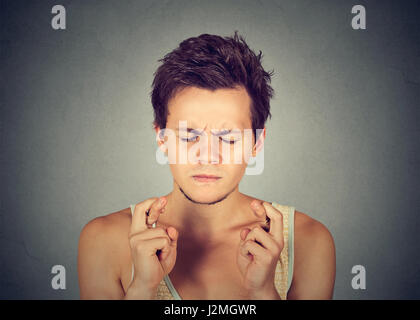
<point>255,230</point>
<point>259,230</point>
<point>159,231</point>
<point>138,247</point>
<point>276,251</point>
<point>248,243</point>
<point>156,203</point>
<point>132,243</point>
<point>166,241</point>
<point>279,249</point>
<point>281,243</point>
<point>277,215</point>
<point>141,205</point>
<point>133,240</point>
<point>153,214</point>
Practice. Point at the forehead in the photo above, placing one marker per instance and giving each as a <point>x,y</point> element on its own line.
<point>202,107</point>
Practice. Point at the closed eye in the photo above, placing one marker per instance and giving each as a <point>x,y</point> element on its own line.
<point>230,141</point>
<point>190,139</point>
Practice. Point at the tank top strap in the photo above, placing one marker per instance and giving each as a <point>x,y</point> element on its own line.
<point>284,268</point>
<point>291,246</point>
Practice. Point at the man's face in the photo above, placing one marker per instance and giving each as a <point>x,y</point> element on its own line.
<point>201,121</point>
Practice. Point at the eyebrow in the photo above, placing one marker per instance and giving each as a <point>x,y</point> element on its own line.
<point>183,129</point>
<point>217,133</point>
<point>221,132</point>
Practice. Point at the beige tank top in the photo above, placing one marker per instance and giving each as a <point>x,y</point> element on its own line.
<point>284,269</point>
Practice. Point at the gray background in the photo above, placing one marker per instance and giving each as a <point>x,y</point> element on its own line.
<point>342,146</point>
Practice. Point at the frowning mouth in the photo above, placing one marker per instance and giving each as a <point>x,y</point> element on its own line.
<point>206,178</point>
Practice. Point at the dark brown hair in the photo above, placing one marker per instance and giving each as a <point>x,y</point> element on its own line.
<point>212,62</point>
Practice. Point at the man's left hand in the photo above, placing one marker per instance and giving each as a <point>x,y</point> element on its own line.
<point>259,251</point>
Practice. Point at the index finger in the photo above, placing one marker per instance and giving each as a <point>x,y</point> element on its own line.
<point>260,211</point>
<point>156,210</point>
<point>138,222</point>
<point>276,221</point>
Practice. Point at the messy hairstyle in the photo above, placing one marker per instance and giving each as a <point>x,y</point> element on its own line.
<point>212,62</point>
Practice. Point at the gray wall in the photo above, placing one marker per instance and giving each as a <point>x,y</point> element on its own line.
<point>342,145</point>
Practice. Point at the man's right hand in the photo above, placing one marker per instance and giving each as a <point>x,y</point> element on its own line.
<point>150,265</point>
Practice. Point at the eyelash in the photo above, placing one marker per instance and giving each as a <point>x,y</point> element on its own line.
<point>194,139</point>
<point>189,139</point>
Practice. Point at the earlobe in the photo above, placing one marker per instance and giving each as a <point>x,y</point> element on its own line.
<point>163,148</point>
<point>259,144</point>
<point>161,140</point>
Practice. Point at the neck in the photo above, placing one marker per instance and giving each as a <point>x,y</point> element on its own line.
<point>209,221</point>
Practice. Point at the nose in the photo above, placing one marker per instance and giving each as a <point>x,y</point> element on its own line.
<point>209,150</point>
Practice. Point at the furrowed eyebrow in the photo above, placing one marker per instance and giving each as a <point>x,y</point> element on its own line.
<point>220,132</point>
<point>190,130</point>
<point>214,132</point>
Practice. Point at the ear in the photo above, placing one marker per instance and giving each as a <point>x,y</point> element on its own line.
<point>160,140</point>
<point>259,144</point>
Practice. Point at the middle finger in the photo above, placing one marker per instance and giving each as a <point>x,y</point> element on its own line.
<point>155,210</point>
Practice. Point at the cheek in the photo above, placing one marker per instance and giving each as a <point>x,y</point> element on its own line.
<point>237,154</point>
<point>238,171</point>
<point>233,173</point>
<point>179,171</point>
<point>178,152</point>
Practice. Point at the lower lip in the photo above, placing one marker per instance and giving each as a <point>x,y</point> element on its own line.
<point>203,179</point>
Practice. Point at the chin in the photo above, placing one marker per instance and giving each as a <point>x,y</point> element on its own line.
<point>204,196</point>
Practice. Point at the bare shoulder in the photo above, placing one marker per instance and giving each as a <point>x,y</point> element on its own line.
<point>103,251</point>
<point>108,227</point>
<point>107,235</point>
<point>309,231</point>
<point>314,260</point>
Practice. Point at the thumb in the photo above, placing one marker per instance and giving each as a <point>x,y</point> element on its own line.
<point>244,233</point>
<point>173,234</point>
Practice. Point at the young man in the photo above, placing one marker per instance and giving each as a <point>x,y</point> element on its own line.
<point>205,239</point>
